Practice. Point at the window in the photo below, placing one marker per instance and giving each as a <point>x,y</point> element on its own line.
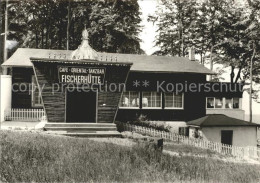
<point>130,99</point>
<point>218,103</point>
<point>152,100</point>
<point>184,131</point>
<point>236,103</point>
<point>210,102</point>
<point>227,137</point>
<point>222,103</point>
<point>173,100</point>
<point>36,96</point>
<point>229,103</point>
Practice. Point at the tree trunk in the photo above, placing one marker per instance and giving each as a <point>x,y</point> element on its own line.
<point>211,60</point>
<point>180,39</point>
<point>232,74</point>
<point>201,58</point>
<point>36,39</point>
<point>238,74</point>
<point>251,85</point>
<point>42,34</point>
<point>73,35</point>
<point>68,25</point>
<point>46,36</point>
<point>182,42</point>
<point>6,33</point>
<point>60,34</point>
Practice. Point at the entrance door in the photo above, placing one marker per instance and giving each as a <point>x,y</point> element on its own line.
<point>227,137</point>
<point>81,107</point>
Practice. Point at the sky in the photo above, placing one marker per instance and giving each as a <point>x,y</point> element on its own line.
<point>148,7</point>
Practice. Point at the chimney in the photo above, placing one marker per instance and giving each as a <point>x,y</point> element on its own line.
<point>192,53</point>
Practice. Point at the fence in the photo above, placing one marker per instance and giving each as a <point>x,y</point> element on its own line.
<point>240,152</point>
<point>24,114</point>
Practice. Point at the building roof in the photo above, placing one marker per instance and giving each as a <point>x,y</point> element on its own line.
<point>81,62</point>
<point>141,63</point>
<point>215,120</point>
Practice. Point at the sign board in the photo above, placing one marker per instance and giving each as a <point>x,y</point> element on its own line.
<point>81,75</point>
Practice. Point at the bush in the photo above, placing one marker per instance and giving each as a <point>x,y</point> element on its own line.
<point>120,126</point>
<point>142,120</point>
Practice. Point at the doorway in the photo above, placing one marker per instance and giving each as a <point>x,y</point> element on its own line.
<point>227,137</point>
<point>81,106</point>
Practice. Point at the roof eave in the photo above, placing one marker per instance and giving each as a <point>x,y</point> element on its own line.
<point>143,71</point>
<point>193,125</point>
<point>25,66</point>
<point>230,125</point>
<point>33,59</point>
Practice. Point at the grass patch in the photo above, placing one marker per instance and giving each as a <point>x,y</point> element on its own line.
<point>187,149</point>
<point>33,157</point>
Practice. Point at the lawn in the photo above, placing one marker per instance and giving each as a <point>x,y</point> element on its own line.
<point>37,157</point>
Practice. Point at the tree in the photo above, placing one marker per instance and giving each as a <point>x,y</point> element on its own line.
<point>174,19</point>
<point>43,24</point>
<point>219,30</point>
<point>115,26</point>
<point>242,31</point>
<point>1,34</point>
<point>207,31</point>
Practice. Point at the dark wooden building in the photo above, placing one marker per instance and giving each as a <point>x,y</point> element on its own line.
<point>158,87</point>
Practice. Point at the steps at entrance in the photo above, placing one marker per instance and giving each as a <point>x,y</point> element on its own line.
<point>84,129</point>
<point>80,125</point>
<point>77,127</point>
<point>97,134</point>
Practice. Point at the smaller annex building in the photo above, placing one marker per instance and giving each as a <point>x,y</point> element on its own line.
<point>223,129</point>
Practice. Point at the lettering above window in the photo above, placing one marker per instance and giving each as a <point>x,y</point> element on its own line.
<point>222,103</point>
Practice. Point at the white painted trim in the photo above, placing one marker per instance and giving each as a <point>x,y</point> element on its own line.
<point>129,107</point>
<point>224,103</point>
<point>152,108</point>
<point>173,108</point>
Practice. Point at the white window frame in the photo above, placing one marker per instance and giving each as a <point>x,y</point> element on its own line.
<point>223,99</point>
<point>239,107</point>
<point>180,108</point>
<point>213,103</point>
<point>123,107</point>
<point>231,103</point>
<point>33,94</point>
<point>152,107</point>
<point>224,103</point>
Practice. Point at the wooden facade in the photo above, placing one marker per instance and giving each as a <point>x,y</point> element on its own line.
<point>194,105</point>
<point>54,99</point>
<point>194,102</point>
